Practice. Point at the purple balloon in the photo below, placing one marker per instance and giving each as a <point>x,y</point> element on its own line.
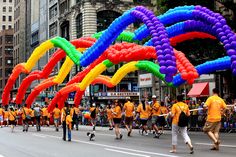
<point>161,57</point>
<point>168,63</point>
<point>165,46</point>
<point>160,52</point>
<point>233,58</point>
<point>218,25</point>
<point>168,57</point>
<point>234,64</point>
<point>162,69</point>
<point>231,52</point>
<point>219,30</point>
<point>234,72</point>
<point>227,46</point>
<point>168,78</point>
<point>226,42</point>
<point>158,47</point>
<point>167,51</point>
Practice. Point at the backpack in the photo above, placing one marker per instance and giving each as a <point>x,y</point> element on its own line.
<point>93,113</point>
<point>183,119</point>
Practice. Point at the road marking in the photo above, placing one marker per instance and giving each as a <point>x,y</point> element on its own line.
<point>223,145</point>
<point>39,135</point>
<point>115,147</point>
<point>104,134</point>
<point>119,151</point>
<point>1,155</point>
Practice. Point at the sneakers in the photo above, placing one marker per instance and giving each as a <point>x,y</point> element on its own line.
<point>146,134</point>
<point>191,150</point>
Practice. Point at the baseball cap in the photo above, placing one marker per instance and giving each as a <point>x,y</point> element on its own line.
<point>154,97</point>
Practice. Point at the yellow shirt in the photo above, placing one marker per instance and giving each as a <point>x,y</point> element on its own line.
<point>31,113</point>
<point>129,109</point>
<point>6,114</point>
<point>45,112</point>
<point>56,113</point>
<point>176,110</point>
<point>144,114</point>
<point>215,104</point>
<point>1,111</point>
<point>162,110</point>
<point>117,110</point>
<point>12,115</point>
<point>68,121</point>
<point>25,111</point>
<point>155,109</point>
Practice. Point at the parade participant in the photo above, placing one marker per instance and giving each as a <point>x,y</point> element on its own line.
<point>155,114</point>
<point>216,106</point>
<point>93,114</point>
<point>26,117</point>
<point>117,114</point>
<point>12,118</point>
<point>64,112</point>
<point>56,117</point>
<point>32,116</point>
<point>180,113</point>
<point>1,116</point>
<point>109,116</point>
<point>69,123</point>
<point>6,114</point>
<point>144,111</point>
<point>45,116</point>
<point>129,115</point>
<point>37,113</point>
<point>75,117</point>
<point>162,119</point>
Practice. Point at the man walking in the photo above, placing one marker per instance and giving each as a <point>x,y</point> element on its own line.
<point>216,106</point>
<point>129,115</point>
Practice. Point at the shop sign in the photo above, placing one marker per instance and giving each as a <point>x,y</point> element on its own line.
<point>145,80</point>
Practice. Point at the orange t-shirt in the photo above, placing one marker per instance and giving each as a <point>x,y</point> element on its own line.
<point>155,109</point>
<point>144,114</point>
<point>215,105</point>
<point>12,115</point>
<point>6,114</point>
<point>45,112</point>
<point>109,114</point>
<point>176,110</point>
<point>25,111</point>
<point>129,109</point>
<point>68,121</point>
<point>56,113</point>
<point>117,110</point>
<point>1,111</point>
<point>162,110</point>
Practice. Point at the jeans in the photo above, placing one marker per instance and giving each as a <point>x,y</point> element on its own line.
<point>37,123</point>
<point>69,133</point>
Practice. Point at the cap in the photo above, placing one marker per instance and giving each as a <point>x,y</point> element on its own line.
<point>154,97</point>
<point>93,104</point>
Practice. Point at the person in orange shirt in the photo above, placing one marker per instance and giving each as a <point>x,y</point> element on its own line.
<point>176,110</point>
<point>66,121</point>
<point>93,114</point>
<point>216,107</point>
<point>162,119</point>
<point>1,116</point>
<point>109,116</point>
<point>32,116</point>
<point>75,117</point>
<point>56,116</point>
<point>117,114</point>
<point>69,124</point>
<point>25,117</point>
<point>155,114</point>
<point>12,118</point>
<point>6,114</point>
<point>129,115</point>
<point>144,111</point>
<point>45,116</point>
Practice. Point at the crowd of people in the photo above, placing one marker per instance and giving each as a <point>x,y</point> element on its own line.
<point>147,116</point>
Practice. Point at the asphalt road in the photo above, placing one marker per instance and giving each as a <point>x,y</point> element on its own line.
<point>49,143</point>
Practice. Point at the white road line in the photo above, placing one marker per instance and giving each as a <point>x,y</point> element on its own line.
<point>39,135</point>
<point>123,152</point>
<point>223,145</point>
<point>105,134</point>
<point>1,155</point>
<point>116,147</point>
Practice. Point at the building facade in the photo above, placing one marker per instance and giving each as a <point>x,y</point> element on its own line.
<point>6,14</point>
<point>6,56</point>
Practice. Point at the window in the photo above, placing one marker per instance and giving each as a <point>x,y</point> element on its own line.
<point>3,18</point>
<point>3,27</point>
<point>79,26</point>
<point>53,29</point>
<point>35,38</point>
<point>63,7</point>
<point>4,9</point>
<point>9,50</point>
<point>53,11</point>
<point>10,9</point>
<point>8,39</point>
<point>9,18</point>
<point>9,27</point>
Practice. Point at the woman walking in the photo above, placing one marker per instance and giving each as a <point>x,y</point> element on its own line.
<point>117,119</point>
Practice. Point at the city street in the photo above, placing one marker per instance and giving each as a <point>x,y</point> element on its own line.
<point>49,143</point>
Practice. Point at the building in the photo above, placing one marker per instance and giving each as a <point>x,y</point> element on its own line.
<point>7,13</point>
<point>6,56</point>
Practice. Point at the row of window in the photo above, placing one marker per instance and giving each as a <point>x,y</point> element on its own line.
<point>4,27</point>
<point>8,39</point>
<point>17,13</point>
<point>10,1</point>
<point>16,26</point>
<point>4,9</point>
<point>16,39</point>
<point>4,18</point>
<point>53,11</point>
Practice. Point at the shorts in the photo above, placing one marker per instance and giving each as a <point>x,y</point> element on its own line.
<point>11,122</point>
<point>56,120</point>
<point>129,120</point>
<point>154,120</point>
<point>45,118</point>
<point>117,120</point>
<point>1,118</point>
<point>212,126</point>
<point>143,121</point>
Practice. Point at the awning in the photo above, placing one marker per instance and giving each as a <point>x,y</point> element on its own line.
<point>199,90</point>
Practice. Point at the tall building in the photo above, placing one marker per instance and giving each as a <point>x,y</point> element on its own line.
<point>6,14</point>
<point>6,56</point>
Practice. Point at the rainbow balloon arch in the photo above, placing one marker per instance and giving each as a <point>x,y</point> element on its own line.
<point>184,23</point>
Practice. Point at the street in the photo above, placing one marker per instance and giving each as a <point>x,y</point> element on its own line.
<point>49,143</point>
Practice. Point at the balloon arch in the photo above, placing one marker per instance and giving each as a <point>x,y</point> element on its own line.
<point>97,53</point>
